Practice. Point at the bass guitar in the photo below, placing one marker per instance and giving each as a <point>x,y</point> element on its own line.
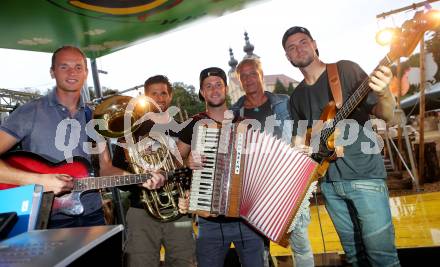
<point>403,44</point>
<point>81,170</point>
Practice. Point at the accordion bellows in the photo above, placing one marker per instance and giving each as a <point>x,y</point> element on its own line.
<point>251,175</point>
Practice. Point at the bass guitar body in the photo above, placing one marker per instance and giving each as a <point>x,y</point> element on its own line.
<point>326,148</point>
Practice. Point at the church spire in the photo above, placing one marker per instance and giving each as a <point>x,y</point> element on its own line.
<point>248,48</point>
<point>232,61</point>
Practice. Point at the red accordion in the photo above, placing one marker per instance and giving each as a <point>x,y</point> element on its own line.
<point>251,175</point>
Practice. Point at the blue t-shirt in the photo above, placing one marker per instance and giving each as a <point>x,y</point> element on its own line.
<point>44,127</point>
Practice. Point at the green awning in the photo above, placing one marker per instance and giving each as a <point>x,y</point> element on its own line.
<point>99,27</point>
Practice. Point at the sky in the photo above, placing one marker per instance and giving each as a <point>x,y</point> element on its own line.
<point>343,29</point>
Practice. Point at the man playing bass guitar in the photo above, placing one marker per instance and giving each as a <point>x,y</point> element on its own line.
<point>354,188</point>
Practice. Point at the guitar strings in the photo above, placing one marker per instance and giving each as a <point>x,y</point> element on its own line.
<point>352,102</point>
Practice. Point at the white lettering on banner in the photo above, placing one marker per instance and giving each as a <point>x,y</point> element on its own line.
<point>287,131</point>
<point>317,128</point>
<point>301,132</point>
<point>270,123</point>
<point>165,122</point>
<point>73,141</point>
<point>255,126</point>
<point>377,140</point>
<point>353,132</point>
<point>91,132</point>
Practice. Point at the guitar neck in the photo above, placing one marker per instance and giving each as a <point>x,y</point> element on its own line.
<point>355,99</point>
<point>90,183</point>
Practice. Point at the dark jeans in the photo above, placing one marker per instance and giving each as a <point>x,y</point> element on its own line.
<point>93,219</point>
<point>215,238</point>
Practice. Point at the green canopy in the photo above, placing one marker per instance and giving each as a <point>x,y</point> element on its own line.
<point>98,27</point>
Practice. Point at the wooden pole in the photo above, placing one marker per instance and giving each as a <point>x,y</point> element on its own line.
<point>399,128</point>
<point>422,111</point>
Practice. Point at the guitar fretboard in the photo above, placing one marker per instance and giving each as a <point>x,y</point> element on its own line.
<point>353,101</point>
<point>90,183</point>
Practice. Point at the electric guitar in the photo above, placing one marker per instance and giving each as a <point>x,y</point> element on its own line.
<point>402,45</point>
<point>81,170</point>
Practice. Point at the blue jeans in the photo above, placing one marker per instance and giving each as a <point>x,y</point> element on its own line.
<point>361,214</point>
<point>300,243</point>
<point>215,238</point>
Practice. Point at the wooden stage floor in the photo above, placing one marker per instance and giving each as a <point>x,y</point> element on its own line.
<point>416,220</point>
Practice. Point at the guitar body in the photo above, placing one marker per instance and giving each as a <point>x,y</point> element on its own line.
<point>80,169</point>
<point>69,204</point>
<point>326,152</point>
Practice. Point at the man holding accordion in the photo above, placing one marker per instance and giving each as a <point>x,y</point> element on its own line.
<point>216,233</point>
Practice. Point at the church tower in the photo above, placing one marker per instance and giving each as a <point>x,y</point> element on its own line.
<point>235,91</point>
<point>270,81</point>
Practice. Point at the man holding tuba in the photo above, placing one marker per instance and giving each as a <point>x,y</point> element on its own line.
<point>153,218</point>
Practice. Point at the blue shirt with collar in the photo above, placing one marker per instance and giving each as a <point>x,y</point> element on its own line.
<point>35,126</point>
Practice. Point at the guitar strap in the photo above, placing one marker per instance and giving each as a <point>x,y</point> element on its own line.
<point>335,83</point>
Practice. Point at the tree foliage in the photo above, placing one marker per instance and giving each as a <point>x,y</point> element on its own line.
<point>279,88</point>
<point>290,89</point>
<point>31,90</point>
<point>186,98</point>
<point>105,91</point>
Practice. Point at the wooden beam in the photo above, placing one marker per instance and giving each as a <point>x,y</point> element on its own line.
<point>413,6</point>
<point>399,95</point>
<point>422,111</point>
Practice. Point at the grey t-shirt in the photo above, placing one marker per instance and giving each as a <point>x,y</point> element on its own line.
<point>35,126</point>
<point>307,103</point>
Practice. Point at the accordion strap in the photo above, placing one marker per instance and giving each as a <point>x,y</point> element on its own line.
<point>335,83</point>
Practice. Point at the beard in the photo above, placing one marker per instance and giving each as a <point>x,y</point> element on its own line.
<point>304,63</point>
<point>216,105</point>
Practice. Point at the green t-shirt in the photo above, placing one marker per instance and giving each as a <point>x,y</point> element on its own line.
<point>307,103</point>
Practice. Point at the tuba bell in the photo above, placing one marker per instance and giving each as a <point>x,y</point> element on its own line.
<point>111,114</point>
<point>119,117</point>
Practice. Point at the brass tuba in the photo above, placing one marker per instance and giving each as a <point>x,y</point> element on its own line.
<point>150,153</point>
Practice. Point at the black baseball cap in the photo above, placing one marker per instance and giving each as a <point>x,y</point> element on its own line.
<point>293,30</point>
<point>212,71</point>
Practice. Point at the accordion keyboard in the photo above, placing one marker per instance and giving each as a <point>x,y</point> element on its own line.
<point>251,175</point>
<point>202,180</point>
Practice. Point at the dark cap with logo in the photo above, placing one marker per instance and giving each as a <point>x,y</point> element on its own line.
<point>293,30</point>
<point>212,71</point>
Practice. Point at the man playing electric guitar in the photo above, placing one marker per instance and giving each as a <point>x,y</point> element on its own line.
<point>353,187</point>
<point>37,125</point>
